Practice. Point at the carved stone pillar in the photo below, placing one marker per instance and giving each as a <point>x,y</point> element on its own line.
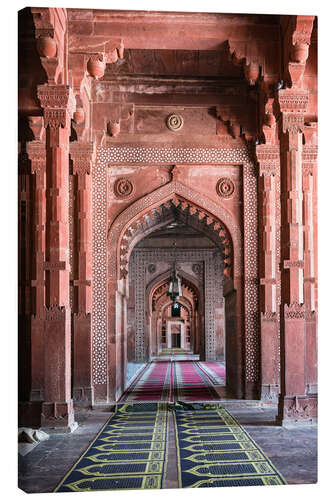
<point>25,253</point>
<point>269,162</point>
<point>82,157</point>
<point>57,410</point>
<point>293,402</point>
<point>210,338</point>
<point>310,264</point>
<point>37,155</point>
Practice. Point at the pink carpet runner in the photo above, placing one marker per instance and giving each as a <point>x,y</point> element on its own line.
<point>172,381</point>
<point>214,370</point>
<point>155,383</point>
<point>191,384</point>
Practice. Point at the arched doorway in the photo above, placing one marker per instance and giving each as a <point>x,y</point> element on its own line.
<point>218,258</point>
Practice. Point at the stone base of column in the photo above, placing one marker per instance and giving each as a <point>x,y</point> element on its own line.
<point>29,414</point>
<point>270,393</point>
<point>251,390</point>
<point>37,395</point>
<point>297,409</point>
<point>83,396</point>
<point>100,394</point>
<point>58,417</point>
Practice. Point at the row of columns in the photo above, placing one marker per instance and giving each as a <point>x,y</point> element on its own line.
<point>55,322</point>
<point>288,318</point>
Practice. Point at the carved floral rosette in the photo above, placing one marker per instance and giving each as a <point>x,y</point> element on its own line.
<point>151,268</point>
<point>225,187</point>
<point>175,122</point>
<point>123,188</point>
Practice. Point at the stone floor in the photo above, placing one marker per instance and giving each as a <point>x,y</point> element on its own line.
<point>292,450</point>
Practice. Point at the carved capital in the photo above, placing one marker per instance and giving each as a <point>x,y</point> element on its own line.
<point>310,153</point>
<point>303,30</point>
<point>294,311</point>
<point>37,155</point>
<point>269,316</point>
<point>292,122</point>
<point>42,21</point>
<point>307,169</point>
<point>268,158</point>
<point>54,266</point>
<point>56,96</point>
<point>54,313</point>
<point>267,281</point>
<point>55,118</point>
<point>292,101</point>
<point>59,104</point>
<point>82,155</point>
<point>288,264</point>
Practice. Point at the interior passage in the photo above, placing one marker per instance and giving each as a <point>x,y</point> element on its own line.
<point>177,375</point>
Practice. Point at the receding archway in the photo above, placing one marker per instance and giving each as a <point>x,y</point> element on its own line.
<point>127,232</point>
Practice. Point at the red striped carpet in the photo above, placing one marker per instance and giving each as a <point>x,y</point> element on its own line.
<point>191,384</point>
<point>155,383</point>
<point>214,370</point>
<point>171,381</point>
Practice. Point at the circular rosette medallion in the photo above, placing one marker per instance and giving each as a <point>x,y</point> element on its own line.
<point>175,122</point>
<point>123,188</point>
<point>151,268</point>
<point>225,187</point>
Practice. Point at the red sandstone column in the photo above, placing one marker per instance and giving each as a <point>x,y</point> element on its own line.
<point>269,162</point>
<point>25,252</point>
<point>82,156</point>
<point>293,402</point>
<point>115,323</point>
<point>37,155</point>
<point>57,410</point>
<point>310,266</point>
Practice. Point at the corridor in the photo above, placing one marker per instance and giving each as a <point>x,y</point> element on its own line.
<point>178,375</point>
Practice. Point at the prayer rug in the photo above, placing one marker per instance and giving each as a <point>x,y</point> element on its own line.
<point>213,450</point>
<point>191,384</point>
<point>214,370</point>
<point>130,452</point>
<point>153,384</point>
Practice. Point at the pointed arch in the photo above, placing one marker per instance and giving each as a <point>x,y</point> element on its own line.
<point>217,218</point>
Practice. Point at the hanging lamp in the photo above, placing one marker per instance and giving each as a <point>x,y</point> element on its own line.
<point>175,288</point>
